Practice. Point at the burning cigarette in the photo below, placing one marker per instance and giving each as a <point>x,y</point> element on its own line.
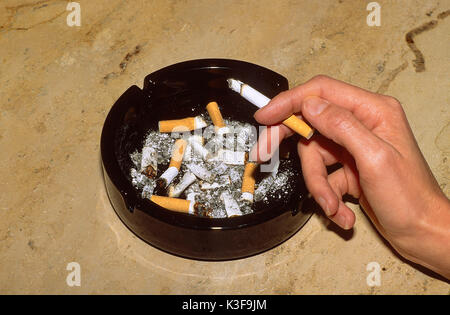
<point>216,117</point>
<point>186,181</point>
<point>260,100</point>
<point>174,167</point>
<point>248,182</point>
<point>149,162</point>
<point>174,204</point>
<point>182,125</point>
<point>231,205</point>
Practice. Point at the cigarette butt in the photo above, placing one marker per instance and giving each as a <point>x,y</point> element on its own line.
<point>232,157</point>
<point>182,125</point>
<point>188,153</point>
<point>191,196</point>
<point>177,153</point>
<point>299,126</point>
<point>224,181</point>
<point>173,204</point>
<point>243,138</point>
<point>166,178</point>
<point>149,162</point>
<point>248,181</point>
<point>200,150</point>
<point>231,206</point>
<point>171,191</point>
<point>215,114</point>
<point>201,172</point>
<point>264,187</point>
<point>196,138</point>
<point>186,181</point>
<point>174,167</point>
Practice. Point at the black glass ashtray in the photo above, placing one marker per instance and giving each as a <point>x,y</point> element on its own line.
<point>179,91</point>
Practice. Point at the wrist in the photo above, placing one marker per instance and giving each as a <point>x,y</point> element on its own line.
<point>429,244</point>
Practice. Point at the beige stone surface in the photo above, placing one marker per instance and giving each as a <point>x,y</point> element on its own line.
<point>57,84</point>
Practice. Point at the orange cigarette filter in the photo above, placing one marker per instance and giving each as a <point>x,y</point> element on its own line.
<point>173,204</point>
<point>177,154</point>
<point>299,126</point>
<point>181,125</point>
<point>248,180</point>
<point>215,114</point>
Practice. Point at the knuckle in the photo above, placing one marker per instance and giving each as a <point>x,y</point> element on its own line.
<point>320,78</point>
<point>284,94</point>
<point>393,102</point>
<point>380,158</point>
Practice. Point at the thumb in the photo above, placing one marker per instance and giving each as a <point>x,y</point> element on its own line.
<point>341,126</point>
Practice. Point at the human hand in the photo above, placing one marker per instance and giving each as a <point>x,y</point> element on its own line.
<point>382,165</point>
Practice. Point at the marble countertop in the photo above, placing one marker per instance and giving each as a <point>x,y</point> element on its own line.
<point>57,84</point>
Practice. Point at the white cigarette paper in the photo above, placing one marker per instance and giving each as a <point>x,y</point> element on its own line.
<point>231,205</point>
<point>246,196</point>
<point>201,172</point>
<point>222,131</point>
<point>191,196</point>
<point>185,182</point>
<point>169,175</point>
<point>243,137</point>
<point>189,153</point>
<point>200,150</point>
<point>232,157</point>
<point>267,181</point>
<point>191,207</point>
<point>260,100</point>
<point>249,93</point>
<point>149,159</point>
<point>264,187</point>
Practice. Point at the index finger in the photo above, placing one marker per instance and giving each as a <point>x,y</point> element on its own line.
<point>340,93</point>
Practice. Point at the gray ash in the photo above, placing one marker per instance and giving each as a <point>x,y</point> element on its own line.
<point>225,177</point>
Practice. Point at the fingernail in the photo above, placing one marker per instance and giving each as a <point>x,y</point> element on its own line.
<point>342,221</point>
<point>314,105</point>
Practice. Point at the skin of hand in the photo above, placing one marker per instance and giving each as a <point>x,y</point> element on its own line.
<point>382,165</point>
